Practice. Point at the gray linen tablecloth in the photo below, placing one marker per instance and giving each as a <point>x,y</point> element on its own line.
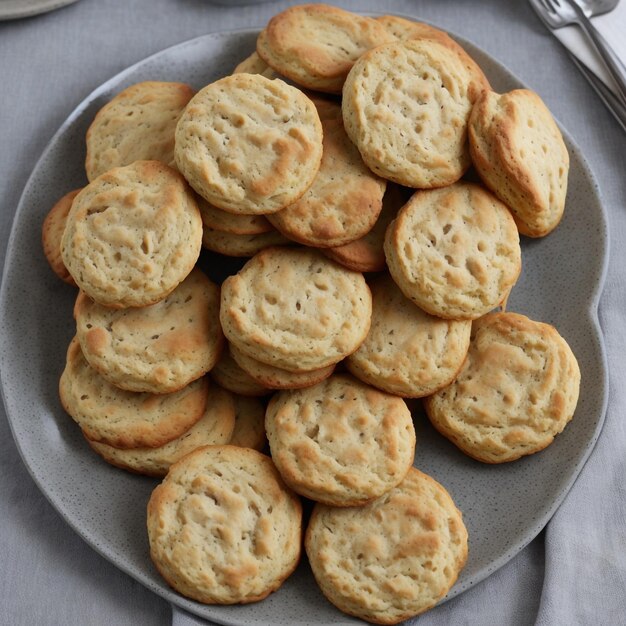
<point>573,573</point>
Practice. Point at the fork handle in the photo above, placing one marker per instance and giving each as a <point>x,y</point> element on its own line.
<point>608,56</point>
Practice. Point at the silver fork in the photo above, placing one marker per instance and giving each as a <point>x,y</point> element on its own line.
<point>558,13</point>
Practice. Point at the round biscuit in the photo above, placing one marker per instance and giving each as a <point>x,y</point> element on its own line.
<point>295,309</point>
<point>275,377</point>
<point>393,558</point>
<point>517,390</point>
<point>159,348</point>
<point>52,233</point>
<point>315,45</point>
<point>340,442</point>
<point>223,528</point>
<point>454,251</point>
<point>215,427</point>
<point>407,351</point>
<point>229,375</point>
<point>125,419</point>
<point>519,152</point>
<point>137,124</point>
<point>217,219</point>
<point>406,105</point>
<point>132,235</point>
<point>248,144</point>
<point>254,64</point>
<point>230,244</point>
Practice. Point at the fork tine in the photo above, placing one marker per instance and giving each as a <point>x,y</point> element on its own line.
<point>548,6</point>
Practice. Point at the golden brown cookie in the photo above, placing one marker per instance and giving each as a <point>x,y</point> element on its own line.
<point>158,348</point>
<point>125,419</point>
<point>137,124</point>
<point>454,251</point>
<point>393,558</point>
<point>345,199</point>
<point>407,351</point>
<point>295,309</point>
<point>519,152</point>
<point>133,234</point>
<point>249,429</point>
<point>517,390</point>
<point>229,375</point>
<point>241,245</point>
<point>406,105</point>
<point>222,526</point>
<point>52,233</point>
<point>275,377</point>
<point>215,427</point>
<point>248,144</point>
<point>217,219</point>
<point>367,254</point>
<point>315,45</point>
<point>254,64</point>
<point>340,442</point>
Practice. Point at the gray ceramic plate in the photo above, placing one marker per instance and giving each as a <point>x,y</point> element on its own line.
<point>504,506</point>
<point>14,9</point>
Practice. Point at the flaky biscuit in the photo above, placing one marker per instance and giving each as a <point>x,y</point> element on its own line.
<point>137,124</point>
<point>393,558</point>
<point>340,442</point>
<point>407,351</point>
<point>454,251</point>
<point>367,254</point>
<point>249,429</point>
<point>52,233</point>
<point>295,309</point>
<point>222,526</point>
<point>125,419</point>
<point>218,219</point>
<point>275,377</point>
<point>215,427</point>
<point>248,144</point>
<point>315,45</point>
<point>406,105</point>
<point>241,245</point>
<point>519,152</point>
<point>132,235</point>
<point>254,64</point>
<point>516,391</point>
<point>229,375</point>
<point>345,199</point>
<point>158,348</point>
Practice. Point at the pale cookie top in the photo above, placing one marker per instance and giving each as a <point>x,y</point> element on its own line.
<point>517,389</point>
<point>223,528</point>
<point>407,351</point>
<point>402,28</point>
<point>218,219</point>
<point>249,429</point>
<point>345,199</point>
<point>275,377</point>
<point>125,419</point>
<point>406,106</point>
<point>158,348</point>
<point>366,254</point>
<point>214,428</point>
<point>138,124</point>
<point>133,235</point>
<point>454,251</point>
<point>254,64</point>
<point>248,144</point>
<point>393,558</point>
<point>519,152</point>
<point>52,233</point>
<point>295,309</point>
<point>229,375</point>
<point>340,442</point>
<point>315,45</point>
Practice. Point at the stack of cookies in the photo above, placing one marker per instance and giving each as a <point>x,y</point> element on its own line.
<point>269,164</point>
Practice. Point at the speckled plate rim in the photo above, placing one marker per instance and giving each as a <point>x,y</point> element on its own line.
<point>591,312</point>
<point>16,9</point>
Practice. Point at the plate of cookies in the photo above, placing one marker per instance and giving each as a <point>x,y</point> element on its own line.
<point>312,336</point>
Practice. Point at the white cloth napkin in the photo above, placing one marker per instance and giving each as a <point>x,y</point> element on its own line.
<point>612,26</point>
